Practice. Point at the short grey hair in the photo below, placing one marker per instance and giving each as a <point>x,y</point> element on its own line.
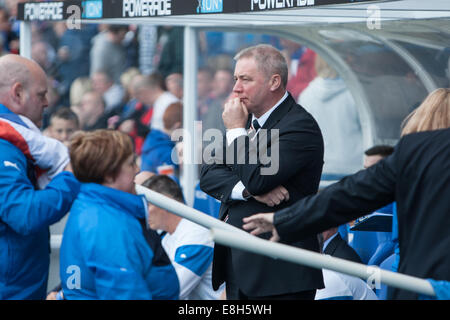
<point>269,60</point>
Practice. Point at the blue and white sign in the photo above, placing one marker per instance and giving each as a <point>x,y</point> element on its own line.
<point>92,9</point>
<point>210,6</point>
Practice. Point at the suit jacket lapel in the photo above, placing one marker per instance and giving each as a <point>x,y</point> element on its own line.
<point>279,112</point>
<point>331,247</point>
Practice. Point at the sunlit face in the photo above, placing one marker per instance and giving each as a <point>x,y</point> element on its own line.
<point>125,179</point>
<point>251,85</point>
<point>35,97</point>
<point>62,129</point>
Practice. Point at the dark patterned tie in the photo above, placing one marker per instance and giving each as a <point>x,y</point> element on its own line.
<point>256,125</point>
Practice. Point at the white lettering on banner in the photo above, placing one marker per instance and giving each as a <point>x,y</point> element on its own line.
<point>279,4</point>
<point>43,11</point>
<point>373,17</point>
<point>302,3</point>
<point>374,280</point>
<point>209,149</point>
<point>146,8</point>
<point>73,21</point>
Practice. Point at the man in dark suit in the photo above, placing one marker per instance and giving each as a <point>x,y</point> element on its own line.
<point>245,184</point>
<point>416,175</point>
<point>335,246</point>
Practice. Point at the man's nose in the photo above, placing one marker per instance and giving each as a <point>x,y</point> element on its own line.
<point>45,103</point>
<point>237,86</point>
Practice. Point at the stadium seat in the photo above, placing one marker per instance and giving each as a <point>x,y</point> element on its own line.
<point>365,243</point>
<point>373,246</point>
<point>384,249</point>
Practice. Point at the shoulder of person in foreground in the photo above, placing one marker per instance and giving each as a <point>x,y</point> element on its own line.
<point>19,196</point>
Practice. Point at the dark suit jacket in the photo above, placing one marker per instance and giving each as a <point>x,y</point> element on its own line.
<point>299,169</point>
<point>340,249</point>
<point>417,176</point>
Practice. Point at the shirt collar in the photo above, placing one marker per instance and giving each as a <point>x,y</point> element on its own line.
<point>262,120</point>
<point>325,244</point>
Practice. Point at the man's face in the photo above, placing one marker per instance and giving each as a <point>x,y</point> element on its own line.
<point>156,217</point>
<point>251,85</point>
<point>91,105</point>
<point>204,84</point>
<point>100,82</point>
<point>62,129</point>
<point>35,97</point>
<point>146,95</point>
<point>223,82</point>
<point>371,160</point>
<point>174,84</point>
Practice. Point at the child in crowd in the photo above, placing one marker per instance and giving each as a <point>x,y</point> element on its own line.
<point>63,124</point>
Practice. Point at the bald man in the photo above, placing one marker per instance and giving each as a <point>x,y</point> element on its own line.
<point>23,87</point>
<point>27,209</point>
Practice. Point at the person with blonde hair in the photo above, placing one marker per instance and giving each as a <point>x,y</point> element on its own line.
<point>432,114</point>
<point>78,88</point>
<point>331,103</point>
<point>103,237</point>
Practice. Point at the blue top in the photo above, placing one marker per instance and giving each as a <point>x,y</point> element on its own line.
<point>157,151</point>
<point>104,254</point>
<point>441,289</point>
<point>25,215</point>
<point>205,203</point>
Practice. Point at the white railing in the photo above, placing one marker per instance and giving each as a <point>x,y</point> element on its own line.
<point>55,241</point>
<point>372,274</point>
<point>228,235</point>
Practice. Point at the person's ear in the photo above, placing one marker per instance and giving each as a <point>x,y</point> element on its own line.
<point>17,92</point>
<point>275,82</point>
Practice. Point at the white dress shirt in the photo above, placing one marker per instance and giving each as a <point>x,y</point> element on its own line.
<point>233,134</point>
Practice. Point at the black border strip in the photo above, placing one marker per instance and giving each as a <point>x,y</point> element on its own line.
<point>59,10</point>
